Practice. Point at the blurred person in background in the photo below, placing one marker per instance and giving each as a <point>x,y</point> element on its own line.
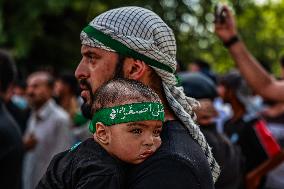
<point>48,131</point>
<point>66,92</point>
<point>273,113</point>
<point>227,155</point>
<point>19,94</point>
<point>274,116</point>
<point>11,146</point>
<point>256,76</point>
<point>17,105</point>
<point>203,67</point>
<point>246,128</point>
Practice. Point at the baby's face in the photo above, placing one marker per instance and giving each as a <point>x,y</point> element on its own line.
<point>136,141</point>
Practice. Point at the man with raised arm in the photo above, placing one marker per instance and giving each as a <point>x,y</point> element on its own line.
<point>262,83</point>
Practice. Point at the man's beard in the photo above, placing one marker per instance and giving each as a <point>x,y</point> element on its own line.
<point>86,107</point>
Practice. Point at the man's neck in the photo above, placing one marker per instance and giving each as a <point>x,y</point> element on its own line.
<point>38,107</point>
<point>169,113</point>
<point>154,81</point>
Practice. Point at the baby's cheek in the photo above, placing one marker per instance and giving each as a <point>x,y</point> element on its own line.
<point>158,143</point>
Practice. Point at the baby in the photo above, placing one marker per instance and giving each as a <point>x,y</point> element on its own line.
<point>126,128</point>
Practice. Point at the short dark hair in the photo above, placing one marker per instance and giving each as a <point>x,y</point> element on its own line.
<point>8,70</point>
<point>69,79</point>
<point>49,78</point>
<point>201,63</point>
<point>198,85</point>
<point>234,81</point>
<point>119,91</point>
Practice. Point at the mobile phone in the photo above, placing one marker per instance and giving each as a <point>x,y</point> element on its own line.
<point>219,13</point>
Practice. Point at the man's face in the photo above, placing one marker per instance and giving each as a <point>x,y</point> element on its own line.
<point>193,67</point>
<point>60,89</point>
<point>38,92</point>
<point>226,93</point>
<point>97,66</point>
<point>206,113</point>
<point>136,141</point>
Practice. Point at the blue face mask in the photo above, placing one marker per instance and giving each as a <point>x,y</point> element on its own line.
<point>20,101</point>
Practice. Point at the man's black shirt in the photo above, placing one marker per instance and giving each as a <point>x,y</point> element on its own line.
<point>179,163</point>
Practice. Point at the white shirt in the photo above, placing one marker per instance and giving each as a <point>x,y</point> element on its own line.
<point>51,127</point>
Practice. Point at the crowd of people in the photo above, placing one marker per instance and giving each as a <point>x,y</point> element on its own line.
<point>134,124</point>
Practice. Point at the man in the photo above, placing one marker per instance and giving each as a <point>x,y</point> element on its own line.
<point>261,82</point>
<point>16,107</point>
<point>203,67</point>
<point>135,43</point>
<point>227,155</point>
<point>10,137</point>
<point>48,129</point>
<point>246,128</point>
<point>66,91</point>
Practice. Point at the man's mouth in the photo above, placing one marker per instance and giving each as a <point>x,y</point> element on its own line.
<point>85,94</point>
<point>83,87</point>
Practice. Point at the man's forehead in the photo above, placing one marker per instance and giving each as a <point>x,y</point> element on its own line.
<point>37,79</point>
<point>89,49</point>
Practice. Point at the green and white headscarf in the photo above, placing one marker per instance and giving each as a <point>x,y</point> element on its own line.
<point>140,33</point>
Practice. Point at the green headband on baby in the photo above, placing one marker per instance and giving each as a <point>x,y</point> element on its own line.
<point>128,113</point>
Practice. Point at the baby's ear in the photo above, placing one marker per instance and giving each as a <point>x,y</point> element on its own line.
<point>102,133</point>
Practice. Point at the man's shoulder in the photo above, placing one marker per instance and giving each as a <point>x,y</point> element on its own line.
<point>59,113</point>
<point>170,170</point>
<point>178,142</point>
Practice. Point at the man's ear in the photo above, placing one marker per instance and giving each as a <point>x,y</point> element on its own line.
<point>102,133</point>
<point>134,69</point>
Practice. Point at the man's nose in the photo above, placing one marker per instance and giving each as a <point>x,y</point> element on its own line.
<point>81,70</point>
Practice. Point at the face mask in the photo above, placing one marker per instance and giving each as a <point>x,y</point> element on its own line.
<point>20,101</point>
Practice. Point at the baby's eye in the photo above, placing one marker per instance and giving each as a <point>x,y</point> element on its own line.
<point>157,132</point>
<point>136,131</point>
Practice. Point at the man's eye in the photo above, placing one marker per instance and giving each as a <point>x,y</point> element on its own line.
<point>91,57</point>
<point>136,131</point>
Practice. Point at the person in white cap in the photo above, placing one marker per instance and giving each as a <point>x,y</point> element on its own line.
<point>135,43</point>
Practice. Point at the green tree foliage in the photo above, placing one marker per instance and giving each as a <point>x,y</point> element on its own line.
<point>46,33</point>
